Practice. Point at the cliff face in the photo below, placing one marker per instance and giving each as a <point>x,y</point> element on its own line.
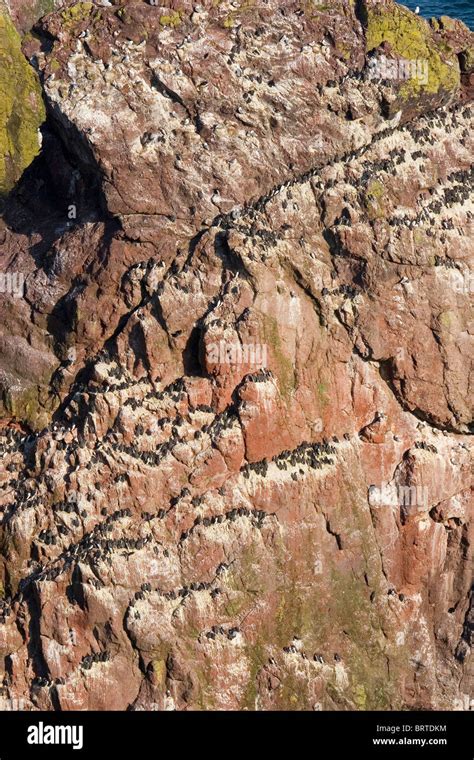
<point>237,385</point>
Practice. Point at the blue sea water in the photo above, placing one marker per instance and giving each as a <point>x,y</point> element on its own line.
<point>462,9</point>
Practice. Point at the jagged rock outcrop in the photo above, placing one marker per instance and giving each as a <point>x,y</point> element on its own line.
<point>237,390</point>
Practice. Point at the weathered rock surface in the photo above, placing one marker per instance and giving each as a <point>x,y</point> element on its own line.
<point>25,13</point>
<point>237,390</point>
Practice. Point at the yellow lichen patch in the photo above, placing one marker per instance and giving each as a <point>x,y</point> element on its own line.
<point>159,669</point>
<point>170,19</point>
<point>411,38</point>
<point>231,19</point>
<point>21,108</point>
<point>448,23</point>
<point>76,13</point>
<point>360,696</point>
<point>467,59</point>
<point>54,65</point>
<point>373,200</point>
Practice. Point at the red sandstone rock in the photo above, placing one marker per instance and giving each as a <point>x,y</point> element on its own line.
<point>193,532</point>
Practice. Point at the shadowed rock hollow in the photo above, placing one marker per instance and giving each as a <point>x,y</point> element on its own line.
<point>237,391</point>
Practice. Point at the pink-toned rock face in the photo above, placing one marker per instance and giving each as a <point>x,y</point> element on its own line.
<point>25,13</point>
<point>236,383</point>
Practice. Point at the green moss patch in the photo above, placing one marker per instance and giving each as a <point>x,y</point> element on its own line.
<point>285,370</point>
